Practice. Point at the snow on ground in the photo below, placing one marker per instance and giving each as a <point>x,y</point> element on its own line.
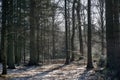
<point>51,72</point>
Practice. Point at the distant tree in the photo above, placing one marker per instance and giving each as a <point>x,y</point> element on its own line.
<point>101,13</point>
<point>79,27</point>
<point>18,30</point>
<point>89,53</point>
<point>66,35</point>
<point>69,26</point>
<point>73,31</point>
<point>53,29</point>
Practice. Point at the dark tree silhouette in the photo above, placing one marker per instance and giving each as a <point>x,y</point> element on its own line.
<point>113,34</point>
<point>89,53</point>
<point>4,38</point>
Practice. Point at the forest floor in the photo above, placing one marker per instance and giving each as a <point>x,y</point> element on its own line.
<point>73,71</point>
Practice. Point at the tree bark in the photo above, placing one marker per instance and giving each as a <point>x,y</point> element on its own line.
<point>66,35</point>
<point>113,34</point>
<point>73,31</point>
<point>33,50</point>
<point>4,38</point>
<point>10,37</point>
<point>89,53</point>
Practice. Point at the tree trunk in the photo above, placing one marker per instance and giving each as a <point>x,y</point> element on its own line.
<point>18,36</point>
<point>66,35</point>
<point>53,34</point>
<point>33,53</point>
<point>113,34</point>
<point>10,37</point>
<point>101,3</point>
<point>89,53</point>
<point>4,38</point>
<point>73,31</point>
<point>80,30</point>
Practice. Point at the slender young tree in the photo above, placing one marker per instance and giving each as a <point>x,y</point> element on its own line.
<point>73,31</point>
<point>53,29</point>
<point>101,13</point>
<point>69,26</point>
<point>89,53</point>
<point>66,35</point>
<point>102,25</point>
